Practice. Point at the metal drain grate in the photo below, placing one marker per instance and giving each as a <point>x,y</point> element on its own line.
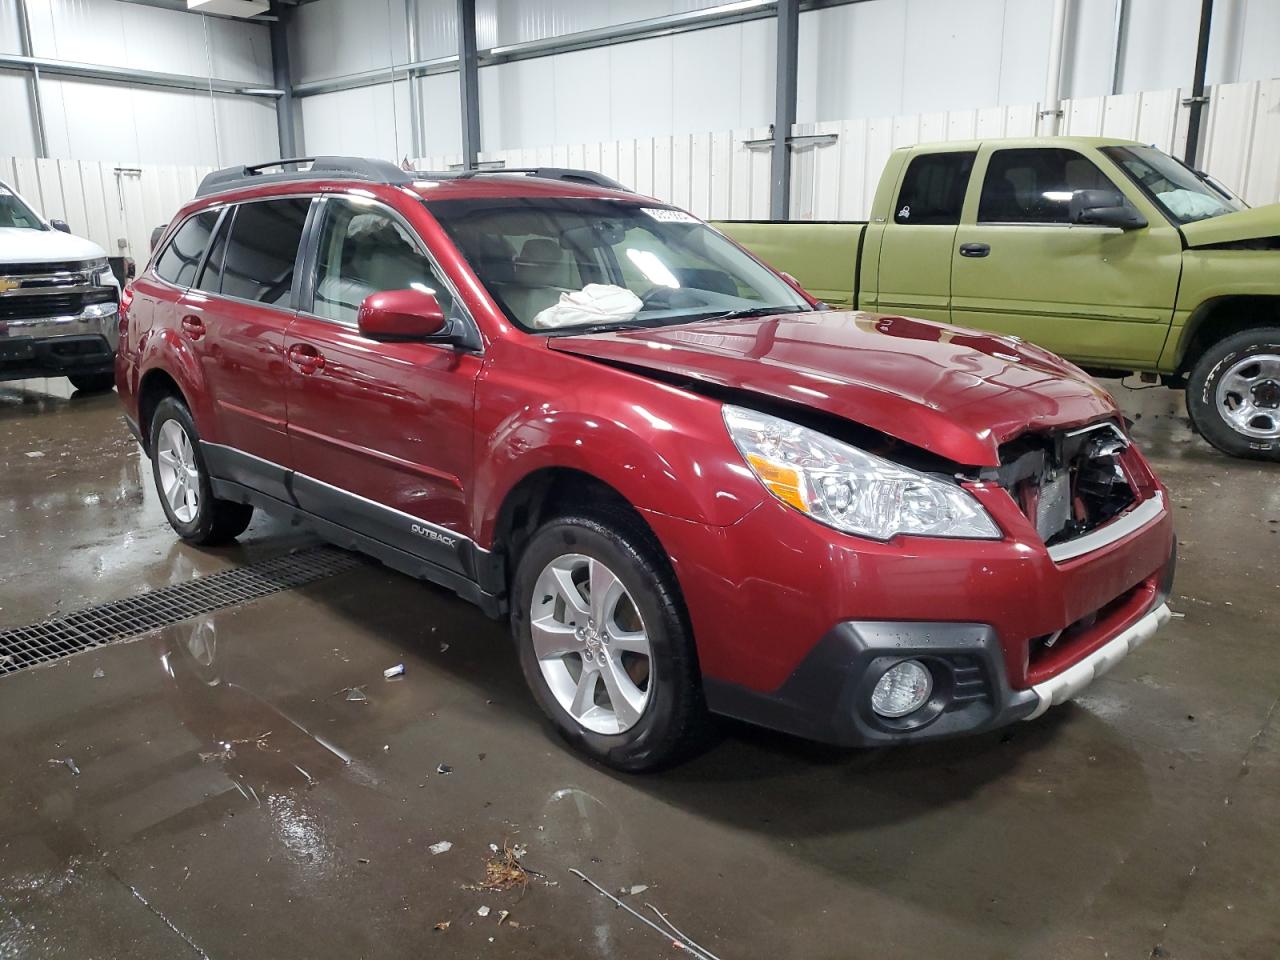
<point>52,639</point>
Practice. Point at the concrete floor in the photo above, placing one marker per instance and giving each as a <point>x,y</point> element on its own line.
<point>231,802</point>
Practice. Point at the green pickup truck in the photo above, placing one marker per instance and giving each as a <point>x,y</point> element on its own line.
<point>1108,252</point>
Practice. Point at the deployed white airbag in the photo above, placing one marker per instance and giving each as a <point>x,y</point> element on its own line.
<point>594,303</point>
<point>1188,205</point>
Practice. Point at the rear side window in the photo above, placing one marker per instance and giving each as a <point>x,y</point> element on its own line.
<point>181,258</point>
<point>262,248</point>
<point>1035,185</point>
<point>933,188</point>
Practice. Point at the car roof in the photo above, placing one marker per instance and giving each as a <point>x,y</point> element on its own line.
<point>1020,142</point>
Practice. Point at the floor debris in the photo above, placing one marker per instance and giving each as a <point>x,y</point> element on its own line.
<point>444,768</point>
<point>99,674</point>
<point>503,871</point>
<point>392,672</point>
<point>443,925</point>
<point>482,912</point>
<point>355,694</point>
<point>444,846</point>
<point>69,764</point>
<point>680,941</point>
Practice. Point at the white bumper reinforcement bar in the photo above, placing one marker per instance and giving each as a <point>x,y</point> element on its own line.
<point>1075,678</point>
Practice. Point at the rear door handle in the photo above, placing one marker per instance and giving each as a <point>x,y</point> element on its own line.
<point>306,357</point>
<point>974,249</point>
<point>193,326</point>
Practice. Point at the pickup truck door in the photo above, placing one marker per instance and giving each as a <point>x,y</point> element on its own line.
<point>380,434</point>
<point>916,241</point>
<point>1096,294</point>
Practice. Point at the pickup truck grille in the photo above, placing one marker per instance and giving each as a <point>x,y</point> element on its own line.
<point>28,269</point>
<point>37,306</point>
<point>1069,482</point>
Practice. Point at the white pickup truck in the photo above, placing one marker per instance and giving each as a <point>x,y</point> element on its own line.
<point>59,301</point>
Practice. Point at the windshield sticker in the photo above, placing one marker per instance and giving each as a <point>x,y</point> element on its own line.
<point>664,215</point>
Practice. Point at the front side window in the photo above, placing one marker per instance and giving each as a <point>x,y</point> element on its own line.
<point>1035,185</point>
<point>560,262</point>
<point>181,258</point>
<point>262,248</point>
<point>14,214</point>
<point>1174,187</point>
<point>362,251</point>
<point>933,188</point>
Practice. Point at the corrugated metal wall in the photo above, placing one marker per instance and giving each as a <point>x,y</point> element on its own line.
<point>115,207</point>
<point>859,60</point>
<point>118,123</point>
<point>722,175</point>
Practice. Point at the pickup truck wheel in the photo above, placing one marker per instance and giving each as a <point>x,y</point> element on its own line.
<point>183,481</point>
<point>1233,394</point>
<point>603,642</point>
<point>93,382</point>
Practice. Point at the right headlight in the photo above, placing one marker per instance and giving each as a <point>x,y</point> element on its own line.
<point>850,489</point>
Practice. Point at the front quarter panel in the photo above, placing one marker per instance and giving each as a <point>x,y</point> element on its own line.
<point>662,448</point>
<point>1208,275</point>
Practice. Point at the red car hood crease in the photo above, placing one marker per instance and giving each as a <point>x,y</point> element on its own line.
<point>955,392</point>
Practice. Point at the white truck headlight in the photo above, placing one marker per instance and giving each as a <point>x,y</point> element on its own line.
<point>849,489</point>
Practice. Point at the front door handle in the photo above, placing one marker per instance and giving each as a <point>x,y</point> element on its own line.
<point>306,357</point>
<point>974,249</point>
<point>193,326</point>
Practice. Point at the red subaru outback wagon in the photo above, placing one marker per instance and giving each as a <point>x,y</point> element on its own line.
<point>693,489</point>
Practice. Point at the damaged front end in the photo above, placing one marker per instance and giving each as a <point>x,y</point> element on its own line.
<point>1068,483</point>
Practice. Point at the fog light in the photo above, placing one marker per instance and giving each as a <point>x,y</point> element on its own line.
<point>904,688</point>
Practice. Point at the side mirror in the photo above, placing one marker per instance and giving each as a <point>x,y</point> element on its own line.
<point>397,315</point>
<point>60,225</point>
<point>1104,208</point>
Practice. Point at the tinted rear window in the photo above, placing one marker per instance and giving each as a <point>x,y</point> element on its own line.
<point>182,256</point>
<point>933,189</point>
<point>262,248</point>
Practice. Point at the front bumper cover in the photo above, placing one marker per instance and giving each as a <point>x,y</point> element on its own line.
<point>827,698</point>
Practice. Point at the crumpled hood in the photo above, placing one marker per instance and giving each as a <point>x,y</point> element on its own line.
<point>955,392</point>
<point>1255,223</point>
<point>21,245</point>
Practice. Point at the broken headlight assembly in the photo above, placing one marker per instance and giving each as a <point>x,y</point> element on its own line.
<point>849,489</point>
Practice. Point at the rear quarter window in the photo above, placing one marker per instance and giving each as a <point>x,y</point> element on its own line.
<point>181,258</point>
<point>933,188</point>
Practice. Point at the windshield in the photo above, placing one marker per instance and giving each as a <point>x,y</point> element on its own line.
<point>555,263</point>
<point>1182,193</point>
<point>15,213</point>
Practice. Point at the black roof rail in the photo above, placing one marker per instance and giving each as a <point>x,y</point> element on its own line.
<point>567,174</point>
<point>322,168</point>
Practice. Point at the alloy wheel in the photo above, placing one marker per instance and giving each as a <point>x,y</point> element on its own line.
<point>591,644</point>
<point>179,475</point>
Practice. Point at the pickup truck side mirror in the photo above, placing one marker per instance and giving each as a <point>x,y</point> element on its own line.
<point>60,225</point>
<point>1104,208</point>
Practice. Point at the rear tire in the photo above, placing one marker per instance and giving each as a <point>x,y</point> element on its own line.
<point>182,480</point>
<point>662,717</point>
<point>93,382</point>
<point>1233,394</point>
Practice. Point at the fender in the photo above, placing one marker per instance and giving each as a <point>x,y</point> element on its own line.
<point>1208,278</point>
<point>664,449</point>
<point>163,349</point>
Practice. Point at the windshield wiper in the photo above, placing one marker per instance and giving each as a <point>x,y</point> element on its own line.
<point>749,312</point>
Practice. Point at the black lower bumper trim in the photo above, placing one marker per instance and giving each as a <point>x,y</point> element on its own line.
<point>828,696</point>
<point>26,358</point>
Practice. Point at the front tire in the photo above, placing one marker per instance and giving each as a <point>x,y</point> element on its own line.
<point>604,642</point>
<point>93,382</point>
<point>182,480</point>
<point>1233,394</point>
